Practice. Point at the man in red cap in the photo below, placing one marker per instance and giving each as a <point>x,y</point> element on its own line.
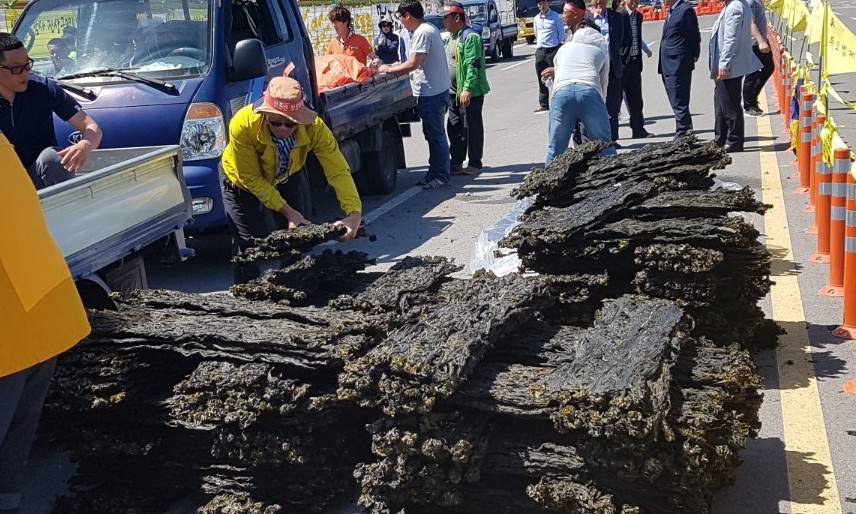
<point>269,142</point>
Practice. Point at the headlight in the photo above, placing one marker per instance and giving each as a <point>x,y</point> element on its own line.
<point>203,135</point>
<point>485,32</point>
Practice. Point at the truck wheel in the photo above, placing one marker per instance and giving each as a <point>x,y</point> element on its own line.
<point>530,40</point>
<point>494,54</point>
<point>508,48</point>
<point>380,168</point>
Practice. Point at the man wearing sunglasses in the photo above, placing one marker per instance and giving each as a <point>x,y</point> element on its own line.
<point>269,142</point>
<point>27,105</point>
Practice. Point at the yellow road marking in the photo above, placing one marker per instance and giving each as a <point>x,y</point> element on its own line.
<point>810,475</point>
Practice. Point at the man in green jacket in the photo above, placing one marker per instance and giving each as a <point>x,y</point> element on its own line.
<point>465,54</point>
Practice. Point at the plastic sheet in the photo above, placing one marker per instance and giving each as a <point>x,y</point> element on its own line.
<point>486,253</point>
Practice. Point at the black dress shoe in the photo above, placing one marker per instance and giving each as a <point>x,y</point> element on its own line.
<point>733,148</point>
<point>643,135</point>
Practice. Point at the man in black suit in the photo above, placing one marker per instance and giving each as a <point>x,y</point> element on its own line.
<point>679,51</point>
<point>615,27</point>
<point>632,81</point>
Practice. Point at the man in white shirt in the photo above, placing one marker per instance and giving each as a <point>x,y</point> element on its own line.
<point>549,35</point>
<point>581,78</point>
<point>430,82</point>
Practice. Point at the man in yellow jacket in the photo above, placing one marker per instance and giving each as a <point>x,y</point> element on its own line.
<point>40,317</point>
<point>269,142</point>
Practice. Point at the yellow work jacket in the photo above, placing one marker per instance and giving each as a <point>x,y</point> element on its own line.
<point>40,311</point>
<point>251,159</point>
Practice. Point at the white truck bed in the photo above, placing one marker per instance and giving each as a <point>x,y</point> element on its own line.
<point>125,200</point>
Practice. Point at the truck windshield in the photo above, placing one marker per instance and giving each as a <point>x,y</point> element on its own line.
<point>166,39</point>
<point>475,13</point>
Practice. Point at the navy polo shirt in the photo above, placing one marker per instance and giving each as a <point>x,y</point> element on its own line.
<point>28,121</point>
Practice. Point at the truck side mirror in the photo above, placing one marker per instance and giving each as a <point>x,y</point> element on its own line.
<point>249,61</point>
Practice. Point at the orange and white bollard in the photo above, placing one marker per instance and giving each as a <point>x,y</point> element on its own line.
<point>804,148</point>
<point>822,210</point>
<point>847,330</point>
<point>837,221</point>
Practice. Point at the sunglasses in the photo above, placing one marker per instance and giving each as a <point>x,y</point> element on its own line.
<point>281,124</point>
<point>17,70</point>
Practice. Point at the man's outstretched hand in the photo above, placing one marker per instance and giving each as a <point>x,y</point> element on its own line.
<point>74,157</point>
<point>352,223</point>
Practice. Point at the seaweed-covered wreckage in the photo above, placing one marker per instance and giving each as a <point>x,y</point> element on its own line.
<point>603,385</point>
<point>651,221</point>
<point>289,245</point>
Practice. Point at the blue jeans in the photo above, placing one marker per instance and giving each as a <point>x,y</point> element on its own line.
<point>432,110</point>
<point>573,103</point>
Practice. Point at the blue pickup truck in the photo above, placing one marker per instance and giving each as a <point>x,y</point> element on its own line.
<point>166,72</point>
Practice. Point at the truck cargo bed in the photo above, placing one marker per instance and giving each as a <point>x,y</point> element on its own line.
<point>123,201</point>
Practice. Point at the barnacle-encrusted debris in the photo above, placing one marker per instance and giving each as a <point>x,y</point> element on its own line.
<point>428,358</point>
<point>396,289</point>
<point>615,381</point>
<point>288,245</point>
<point>229,504</point>
<point>314,279</point>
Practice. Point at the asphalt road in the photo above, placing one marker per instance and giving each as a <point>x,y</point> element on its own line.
<point>790,467</point>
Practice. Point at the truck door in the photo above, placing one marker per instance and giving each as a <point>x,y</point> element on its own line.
<point>263,20</point>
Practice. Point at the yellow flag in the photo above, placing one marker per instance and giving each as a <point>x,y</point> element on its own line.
<point>799,18</point>
<point>827,132</point>
<point>788,9</point>
<point>776,5</point>
<point>839,50</point>
<point>814,30</point>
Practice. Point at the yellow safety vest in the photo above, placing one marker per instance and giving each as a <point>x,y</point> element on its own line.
<point>41,314</point>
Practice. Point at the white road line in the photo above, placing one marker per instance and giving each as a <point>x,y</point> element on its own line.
<point>515,65</point>
<point>392,204</point>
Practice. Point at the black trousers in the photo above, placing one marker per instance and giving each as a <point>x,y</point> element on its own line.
<point>754,83</point>
<point>543,60</point>
<point>728,111</point>
<point>614,90</point>
<point>678,89</point>
<point>466,132</point>
<point>632,85</point>
<point>248,218</point>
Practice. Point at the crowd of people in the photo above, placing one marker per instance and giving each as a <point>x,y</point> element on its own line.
<point>592,58</point>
